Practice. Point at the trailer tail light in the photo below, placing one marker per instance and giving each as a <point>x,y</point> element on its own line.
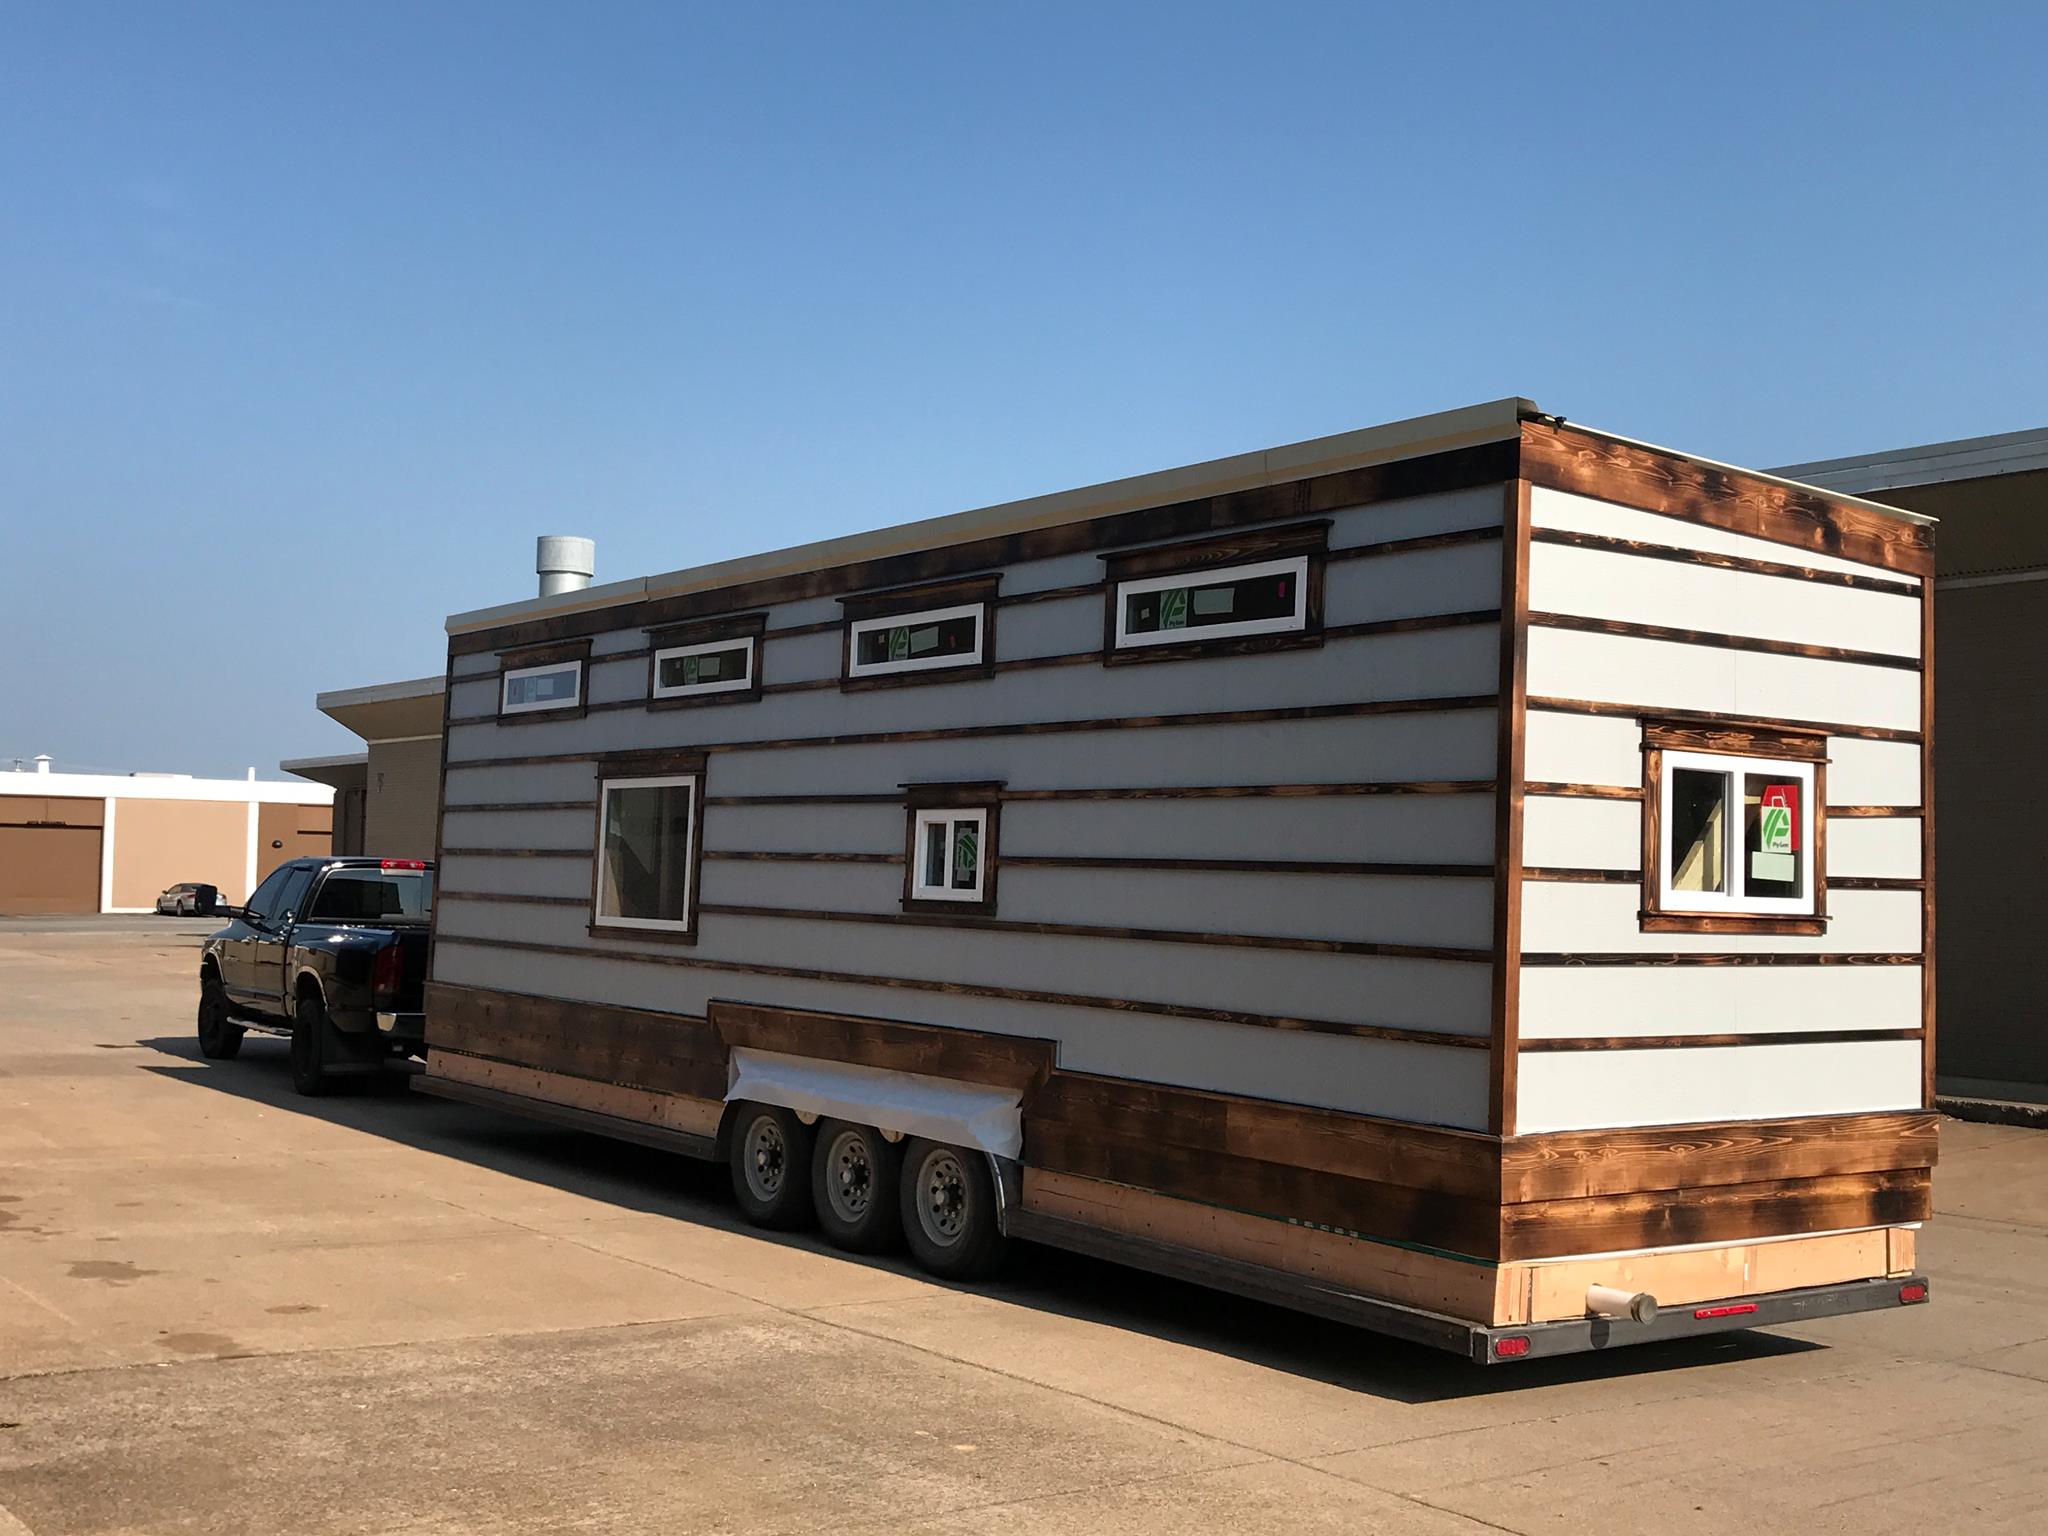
<point>1736,1309</point>
<point>1908,1294</point>
<point>401,863</point>
<point>387,973</point>
<point>1511,1348</point>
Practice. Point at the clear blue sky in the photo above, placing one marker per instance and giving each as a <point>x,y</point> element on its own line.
<point>311,318</point>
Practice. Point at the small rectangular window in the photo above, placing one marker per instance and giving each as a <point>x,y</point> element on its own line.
<point>1268,598</point>
<point>554,685</point>
<point>1733,837</point>
<point>917,642</point>
<point>647,854</point>
<point>715,666</point>
<point>951,855</point>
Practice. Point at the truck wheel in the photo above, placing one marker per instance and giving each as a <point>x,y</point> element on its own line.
<point>949,1211</point>
<point>853,1186</point>
<point>219,1040</point>
<point>768,1153</point>
<point>312,1048</point>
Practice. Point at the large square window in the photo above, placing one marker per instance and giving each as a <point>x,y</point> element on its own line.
<point>646,864</point>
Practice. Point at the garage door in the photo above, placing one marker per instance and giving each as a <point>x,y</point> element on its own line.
<point>49,854</point>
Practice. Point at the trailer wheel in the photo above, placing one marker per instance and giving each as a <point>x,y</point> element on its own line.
<point>312,1048</point>
<point>768,1153</point>
<point>853,1186</point>
<point>219,1040</point>
<point>949,1211</point>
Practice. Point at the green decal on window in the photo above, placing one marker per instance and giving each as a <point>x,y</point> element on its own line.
<point>691,671</point>
<point>1173,608</point>
<point>899,643</point>
<point>966,855</point>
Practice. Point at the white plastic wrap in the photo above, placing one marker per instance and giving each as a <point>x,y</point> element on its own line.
<point>961,1114</point>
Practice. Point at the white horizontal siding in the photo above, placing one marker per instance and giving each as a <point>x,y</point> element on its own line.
<point>1881,847</point>
<point>1567,1001</point>
<point>1559,917</point>
<point>1644,590</point>
<point>1568,833</point>
<point>1668,675</point>
<point>1582,749</point>
<point>1583,1090</point>
<point>1582,514</point>
<point>1873,772</point>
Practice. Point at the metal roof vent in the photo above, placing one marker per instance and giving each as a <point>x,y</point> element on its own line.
<point>564,563</point>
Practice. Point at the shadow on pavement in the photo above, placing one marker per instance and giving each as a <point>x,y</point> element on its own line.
<point>1048,1280</point>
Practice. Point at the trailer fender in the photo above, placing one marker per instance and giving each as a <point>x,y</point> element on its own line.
<point>896,1103</point>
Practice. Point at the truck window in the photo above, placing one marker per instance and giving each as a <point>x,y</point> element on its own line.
<point>264,901</point>
<point>374,895</point>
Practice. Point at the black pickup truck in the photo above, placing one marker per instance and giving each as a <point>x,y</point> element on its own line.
<point>332,953</point>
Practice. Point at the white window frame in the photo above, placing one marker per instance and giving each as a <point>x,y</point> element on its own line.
<point>598,916</point>
<point>1733,770</point>
<point>855,667</point>
<point>946,816</point>
<point>506,707</point>
<point>698,690</point>
<point>1288,624</point>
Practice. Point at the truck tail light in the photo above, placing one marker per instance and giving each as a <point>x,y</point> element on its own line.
<point>401,863</point>
<point>387,973</point>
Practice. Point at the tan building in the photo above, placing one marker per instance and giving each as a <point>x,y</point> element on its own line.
<point>1990,737</point>
<point>386,796</point>
<point>88,842</point>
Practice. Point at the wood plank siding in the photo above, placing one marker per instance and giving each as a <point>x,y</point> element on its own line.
<point>1340,930</point>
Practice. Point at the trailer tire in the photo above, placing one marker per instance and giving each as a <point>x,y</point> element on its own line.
<point>768,1154</point>
<point>854,1174</point>
<point>219,1039</point>
<point>949,1211</point>
<point>312,1049</point>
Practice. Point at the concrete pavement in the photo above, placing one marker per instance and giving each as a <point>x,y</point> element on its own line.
<point>226,1309</point>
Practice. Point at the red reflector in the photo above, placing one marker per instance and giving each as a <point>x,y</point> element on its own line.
<point>401,864</point>
<point>1734,1310</point>
<point>1509,1349</point>
<point>1915,1292</point>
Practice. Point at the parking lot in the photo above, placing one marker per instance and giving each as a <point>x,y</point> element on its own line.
<point>227,1309</point>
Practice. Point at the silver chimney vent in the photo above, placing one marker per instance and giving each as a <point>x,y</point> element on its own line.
<point>565,563</point>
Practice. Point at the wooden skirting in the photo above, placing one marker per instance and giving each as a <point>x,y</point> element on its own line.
<point>1020,1062</point>
<point>662,1053</point>
<point>670,1111</point>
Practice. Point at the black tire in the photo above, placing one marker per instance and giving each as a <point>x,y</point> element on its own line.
<point>854,1171</point>
<point>768,1154</point>
<point>312,1049</point>
<point>219,1039</point>
<point>948,1210</point>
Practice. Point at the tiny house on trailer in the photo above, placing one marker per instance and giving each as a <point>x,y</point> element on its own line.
<point>1470,877</point>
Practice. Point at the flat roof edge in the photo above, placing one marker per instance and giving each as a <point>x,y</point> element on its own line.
<point>1492,421</point>
<point>380,693</point>
<point>1963,458</point>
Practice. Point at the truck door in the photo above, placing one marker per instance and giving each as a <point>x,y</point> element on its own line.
<point>273,942</point>
<point>238,949</point>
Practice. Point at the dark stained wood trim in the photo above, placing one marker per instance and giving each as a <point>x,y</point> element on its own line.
<point>904,602</point>
<point>577,651</point>
<point>1717,1213</point>
<point>648,762</point>
<point>1159,792</point>
<point>510,898</point>
<point>770,857</point>
<point>543,655</point>
<point>1755,924</point>
<point>925,915</point>
<point>632,1047</point>
<point>1417,543</point>
<point>1684,1042</point>
<point>1257,866</point>
<point>1758,740</point>
<point>1584,791</point>
<point>1587,463</point>
<point>1560,875</point>
<point>1508,804</point>
<point>441,806</point>
<point>1019,1062</point>
<point>1613,546</point>
<point>1453,469</point>
<point>1627,629</point>
<point>739,629</point>
<point>985,797</point>
<point>1867,812</point>
<point>922,596</point>
<point>1606,710</point>
<point>1244,546</point>
<point>1575,1164</point>
<point>1006,994</point>
<point>1361,710</point>
<point>1683,959</point>
<point>1875,883</point>
<point>1927,943</point>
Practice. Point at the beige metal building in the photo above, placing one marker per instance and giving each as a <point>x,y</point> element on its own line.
<point>385,797</point>
<point>1990,738</point>
<point>88,842</point>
